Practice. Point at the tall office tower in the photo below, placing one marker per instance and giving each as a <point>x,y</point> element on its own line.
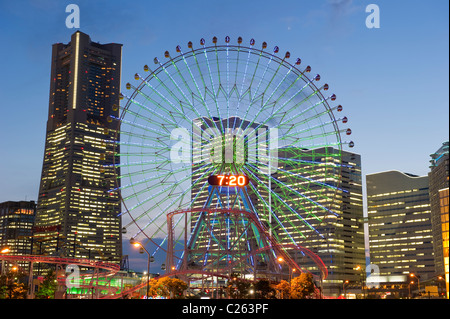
<point>399,218</point>
<point>444,205</point>
<point>77,216</point>
<point>439,179</point>
<point>339,240</point>
<point>16,224</point>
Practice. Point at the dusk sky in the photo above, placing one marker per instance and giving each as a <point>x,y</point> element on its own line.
<point>392,81</point>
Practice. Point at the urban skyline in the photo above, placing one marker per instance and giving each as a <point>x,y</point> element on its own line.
<point>94,110</point>
<point>389,117</point>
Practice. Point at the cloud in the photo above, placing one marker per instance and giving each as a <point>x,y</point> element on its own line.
<point>340,7</point>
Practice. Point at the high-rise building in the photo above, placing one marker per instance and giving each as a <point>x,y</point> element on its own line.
<point>444,205</point>
<point>16,227</point>
<point>77,215</point>
<point>339,240</point>
<point>400,237</point>
<point>439,179</point>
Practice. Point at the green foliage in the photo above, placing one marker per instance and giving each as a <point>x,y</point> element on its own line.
<point>48,287</point>
<point>11,286</point>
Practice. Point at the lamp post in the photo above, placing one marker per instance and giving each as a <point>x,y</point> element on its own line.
<point>343,287</point>
<point>291,270</point>
<point>363,280</point>
<point>150,259</point>
<point>440,280</point>
<point>418,281</point>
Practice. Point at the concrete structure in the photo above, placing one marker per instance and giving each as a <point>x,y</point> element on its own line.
<point>77,214</point>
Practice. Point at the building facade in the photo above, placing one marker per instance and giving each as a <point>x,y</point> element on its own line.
<point>399,221</point>
<point>439,179</point>
<point>16,227</point>
<point>77,214</point>
<point>444,208</point>
<point>339,240</point>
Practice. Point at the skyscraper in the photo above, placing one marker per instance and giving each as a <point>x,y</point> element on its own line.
<point>339,241</point>
<point>439,179</point>
<point>444,205</point>
<point>76,213</point>
<point>400,239</point>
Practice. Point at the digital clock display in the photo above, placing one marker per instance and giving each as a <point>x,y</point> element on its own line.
<point>228,180</point>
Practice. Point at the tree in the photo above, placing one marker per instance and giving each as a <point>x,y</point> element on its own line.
<point>263,289</point>
<point>11,285</point>
<point>48,286</point>
<point>176,287</point>
<point>302,287</point>
<point>18,291</point>
<point>156,288</point>
<point>238,288</point>
<point>283,289</point>
<point>167,287</point>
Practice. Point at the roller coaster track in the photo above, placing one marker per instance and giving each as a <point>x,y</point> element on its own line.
<point>81,262</point>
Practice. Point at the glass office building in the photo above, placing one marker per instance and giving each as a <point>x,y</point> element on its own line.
<point>399,221</point>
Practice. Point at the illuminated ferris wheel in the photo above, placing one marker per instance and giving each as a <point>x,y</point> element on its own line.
<point>231,146</point>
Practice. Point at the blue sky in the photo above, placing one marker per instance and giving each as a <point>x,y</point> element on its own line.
<point>392,81</point>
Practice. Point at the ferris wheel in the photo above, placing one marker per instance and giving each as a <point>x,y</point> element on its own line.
<point>227,130</point>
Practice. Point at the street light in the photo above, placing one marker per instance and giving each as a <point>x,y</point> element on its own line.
<point>363,280</point>
<point>418,281</point>
<point>150,259</point>
<point>291,270</point>
<point>343,287</point>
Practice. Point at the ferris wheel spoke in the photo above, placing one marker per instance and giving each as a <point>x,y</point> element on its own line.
<point>177,198</point>
<point>194,109</point>
<point>171,109</point>
<point>300,174</point>
<point>273,211</point>
<point>285,187</point>
<point>228,94</point>
<point>152,110</point>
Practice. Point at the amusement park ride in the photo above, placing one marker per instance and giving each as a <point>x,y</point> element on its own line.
<point>225,164</point>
